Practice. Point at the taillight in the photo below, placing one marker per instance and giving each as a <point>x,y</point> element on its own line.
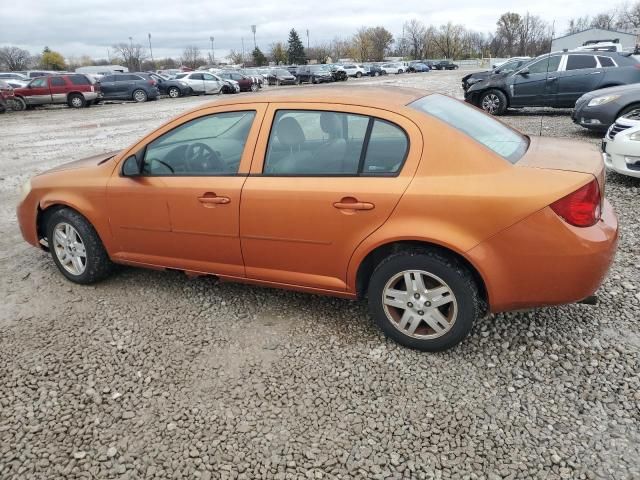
<point>580,208</point>
<point>151,82</point>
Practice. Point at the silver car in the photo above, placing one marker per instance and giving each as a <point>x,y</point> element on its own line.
<point>201,82</point>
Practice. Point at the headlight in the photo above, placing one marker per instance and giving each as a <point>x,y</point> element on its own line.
<point>635,136</point>
<point>184,84</point>
<point>602,100</point>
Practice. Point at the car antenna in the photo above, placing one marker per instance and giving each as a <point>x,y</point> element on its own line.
<point>546,78</point>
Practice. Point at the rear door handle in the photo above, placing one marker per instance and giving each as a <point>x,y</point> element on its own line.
<point>212,199</point>
<point>551,78</point>
<point>350,203</point>
<point>595,73</point>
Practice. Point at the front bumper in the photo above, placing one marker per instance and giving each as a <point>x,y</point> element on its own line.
<point>622,155</point>
<point>542,260</point>
<point>594,118</point>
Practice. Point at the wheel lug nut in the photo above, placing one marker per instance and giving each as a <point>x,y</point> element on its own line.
<point>427,304</point>
<point>416,296</point>
<point>410,305</point>
<point>420,312</point>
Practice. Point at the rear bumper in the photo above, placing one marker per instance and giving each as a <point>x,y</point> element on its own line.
<point>543,260</point>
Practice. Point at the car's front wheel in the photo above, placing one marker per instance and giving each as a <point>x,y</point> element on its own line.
<point>255,87</point>
<point>174,92</point>
<point>18,104</point>
<point>493,102</point>
<point>423,299</point>
<point>76,247</point>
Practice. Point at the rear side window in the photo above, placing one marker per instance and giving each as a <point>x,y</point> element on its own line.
<point>578,62</point>
<point>79,80</point>
<point>107,78</point>
<point>606,62</point>
<point>57,82</point>
<point>386,150</point>
<point>481,127</point>
<point>196,76</point>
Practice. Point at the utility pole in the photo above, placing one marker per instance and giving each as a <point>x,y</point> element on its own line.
<point>151,50</point>
<point>213,52</point>
<point>242,51</point>
<point>131,65</point>
<point>253,29</point>
<point>307,39</point>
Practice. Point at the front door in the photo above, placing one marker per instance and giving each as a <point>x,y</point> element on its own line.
<point>183,210</point>
<point>39,92</point>
<point>536,86</point>
<point>211,83</point>
<point>322,180</point>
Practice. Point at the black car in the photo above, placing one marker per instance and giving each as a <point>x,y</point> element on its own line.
<point>375,70</point>
<point>314,74</point>
<point>599,109</point>
<point>172,88</point>
<point>281,76</point>
<point>128,86</point>
<point>507,67</point>
<point>338,73</point>
<point>444,65</point>
<point>554,80</point>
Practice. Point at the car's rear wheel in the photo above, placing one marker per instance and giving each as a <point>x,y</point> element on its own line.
<point>76,247</point>
<point>139,96</point>
<point>255,87</point>
<point>174,92</point>
<point>423,300</point>
<point>75,100</point>
<point>493,102</point>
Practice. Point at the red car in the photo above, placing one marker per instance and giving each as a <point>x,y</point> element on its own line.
<point>6,96</point>
<point>247,84</point>
<point>74,89</point>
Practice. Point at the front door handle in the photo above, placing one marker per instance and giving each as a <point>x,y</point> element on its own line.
<point>595,73</point>
<point>350,203</point>
<point>213,199</point>
<point>551,78</point>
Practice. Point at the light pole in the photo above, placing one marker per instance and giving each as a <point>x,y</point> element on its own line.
<point>242,51</point>
<point>253,30</point>
<point>151,50</point>
<point>131,65</point>
<point>307,39</point>
<point>213,52</point>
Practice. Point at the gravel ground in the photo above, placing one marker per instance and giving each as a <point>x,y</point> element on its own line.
<point>151,374</point>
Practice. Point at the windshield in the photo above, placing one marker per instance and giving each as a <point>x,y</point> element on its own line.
<point>318,68</point>
<point>282,71</point>
<point>483,128</point>
<point>509,66</point>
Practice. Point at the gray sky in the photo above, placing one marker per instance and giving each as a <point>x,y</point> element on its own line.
<point>76,27</point>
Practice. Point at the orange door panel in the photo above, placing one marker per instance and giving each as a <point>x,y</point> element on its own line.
<point>303,230</point>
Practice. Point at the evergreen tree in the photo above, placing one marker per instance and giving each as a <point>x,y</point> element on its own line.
<point>295,50</point>
<point>258,57</point>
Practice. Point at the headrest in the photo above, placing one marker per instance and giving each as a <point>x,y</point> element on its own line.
<point>289,132</point>
<point>330,124</point>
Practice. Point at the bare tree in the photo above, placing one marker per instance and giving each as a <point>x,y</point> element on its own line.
<point>604,20</point>
<point>278,53</point>
<point>191,57</point>
<point>628,16</point>
<point>14,58</point>
<point>532,33</point>
<point>236,57</point>
<point>360,45</point>
<point>415,31</point>
<point>449,40</point>
<point>578,24</point>
<point>132,54</point>
<point>319,53</point>
<point>508,31</point>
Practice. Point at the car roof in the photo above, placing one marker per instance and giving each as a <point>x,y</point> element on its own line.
<point>379,97</point>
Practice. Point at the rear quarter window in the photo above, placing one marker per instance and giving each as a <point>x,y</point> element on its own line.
<point>606,62</point>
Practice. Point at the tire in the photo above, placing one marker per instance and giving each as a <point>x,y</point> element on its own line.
<point>75,100</point>
<point>97,101</point>
<point>97,264</point>
<point>173,92</point>
<point>19,104</point>
<point>400,71</point>
<point>255,87</point>
<point>628,109</point>
<point>139,96</point>
<point>376,74</point>
<point>277,83</point>
<point>358,74</point>
<point>493,102</point>
<point>460,303</point>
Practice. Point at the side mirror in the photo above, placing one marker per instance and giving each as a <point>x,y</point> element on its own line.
<point>524,71</point>
<point>132,166</point>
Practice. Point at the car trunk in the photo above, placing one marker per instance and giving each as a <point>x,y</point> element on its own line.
<point>564,154</point>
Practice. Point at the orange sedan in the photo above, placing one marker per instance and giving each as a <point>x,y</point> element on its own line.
<point>435,211</point>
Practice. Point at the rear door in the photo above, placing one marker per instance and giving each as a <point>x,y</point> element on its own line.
<point>536,84</point>
<point>579,74</point>
<point>58,88</point>
<point>323,178</point>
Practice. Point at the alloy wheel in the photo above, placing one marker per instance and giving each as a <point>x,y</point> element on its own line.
<point>419,304</point>
<point>76,102</point>
<point>69,248</point>
<point>174,93</point>
<point>491,103</point>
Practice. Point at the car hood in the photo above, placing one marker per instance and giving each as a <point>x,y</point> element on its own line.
<point>88,162</point>
<point>619,90</point>
<point>493,80</point>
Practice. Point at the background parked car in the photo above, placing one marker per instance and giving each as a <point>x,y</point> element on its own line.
<point>38,73</point>
<point>554,80</point>
<point>201,82</point>
<point>128,86</point>
<point>13,76</point>
<point>166,86</point>
<point>388,68</point>
<point>228,85</point>
<point>6,96</point>
<point>445,65</point>
<point>247,84</point>
<point>621,145</point>
<point>598,110</point>
<point>338,73</point>
<point>74,89</point>
<point>375,70</point>
<point>354,70</point>
<point>281,76</point>
<point>417,67</point>
<point>504,68</point>
<point>314,74</point>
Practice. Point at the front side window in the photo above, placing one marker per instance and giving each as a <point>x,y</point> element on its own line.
<point>39,82</point>
<point>209,145</point>
<point>579,62</point>
<point>549,64</point>
<point>481,127</point>
<point>208,76</point>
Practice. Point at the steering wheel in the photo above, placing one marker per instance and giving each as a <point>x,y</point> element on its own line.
<point>200,157</point>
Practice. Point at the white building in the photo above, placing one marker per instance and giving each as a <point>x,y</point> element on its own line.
<point>575,40</point>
